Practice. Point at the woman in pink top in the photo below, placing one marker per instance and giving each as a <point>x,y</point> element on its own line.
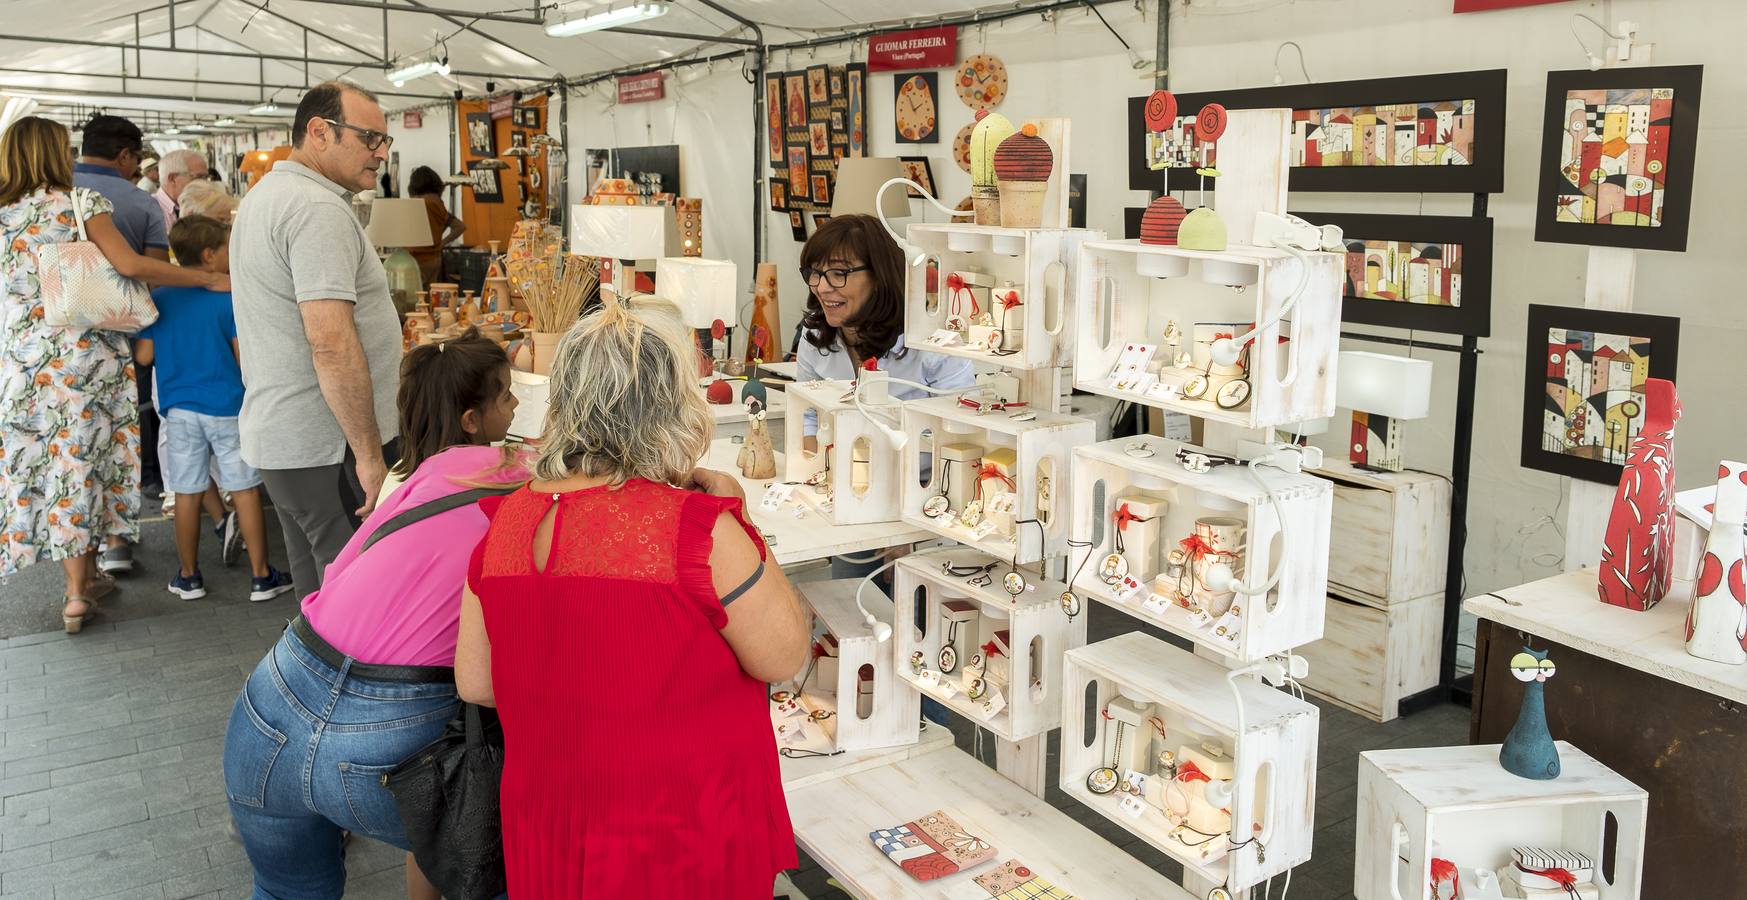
<point>364,678</point>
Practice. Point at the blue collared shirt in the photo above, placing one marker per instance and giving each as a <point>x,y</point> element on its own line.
<point>137,216</point>
<point>933,369</point>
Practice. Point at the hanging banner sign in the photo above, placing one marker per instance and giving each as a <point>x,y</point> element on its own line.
<point>924,48</point>
<point>641,88</point>
<point>502,105</point>
<point>1465,6</point>
<point>412,119</point>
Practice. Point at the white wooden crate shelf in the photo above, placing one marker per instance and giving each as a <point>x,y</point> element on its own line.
<point>1037,263</point>
<point>863,666</point>
<point>1037,632</point>
<point>1273,758</point>
<point>1116,305</point>
<point>1039,449</point>
<point>1457,803</point>
<point>861,467</point>
<point>1289,615</point>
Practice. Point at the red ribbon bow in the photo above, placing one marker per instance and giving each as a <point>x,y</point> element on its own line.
<point>1010,301</point>
<point>871,365</point>
<point>990,470</point>
<point>990,650</point>
<point>1196,547</point>
<point>1561,877</point>
<point>1188,771</point>
<point>1123,517</point>
<point>955,282</point>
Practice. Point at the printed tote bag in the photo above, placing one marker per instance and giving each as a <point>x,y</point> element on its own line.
<point>80,289</point>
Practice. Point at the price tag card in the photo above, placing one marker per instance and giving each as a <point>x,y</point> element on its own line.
<point>775,496</point>
<point>1228,629</point>
<point>983,529</point>
<point>1198,618</point>
<point>1157,604</point>
<point>1134,806</point>
<point>944,337</point>
<point>948,689</point>
<point>1164,390</point>
<point>1136,781</point>
<point>992,705</point>
<point>928,678</point>
<point>1125,589</point>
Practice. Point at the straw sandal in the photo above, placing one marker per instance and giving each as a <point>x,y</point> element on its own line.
<point>74,623</point>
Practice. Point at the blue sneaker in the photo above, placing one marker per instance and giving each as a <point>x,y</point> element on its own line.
<point>188,587</point>
<point>266,588</point>
<point>230,537</point>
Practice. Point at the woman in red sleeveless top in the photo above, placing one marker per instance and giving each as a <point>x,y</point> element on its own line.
<point>622,616</point>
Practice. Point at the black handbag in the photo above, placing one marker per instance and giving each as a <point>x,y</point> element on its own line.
<point>447,793</point>
<point>447,796</point>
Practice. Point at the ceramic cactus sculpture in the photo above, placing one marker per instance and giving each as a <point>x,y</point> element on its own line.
<point>1161,221</point>
<point>1023,163</point>
<point>1637,553</point>
<point>991,129</point>
<point>1717,623</point>
<point>1528,751</point>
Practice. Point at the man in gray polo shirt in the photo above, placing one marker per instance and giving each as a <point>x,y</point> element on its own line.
<point>318,334</point>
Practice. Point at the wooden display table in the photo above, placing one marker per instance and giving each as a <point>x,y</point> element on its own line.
<point>1628,694</point>
<point>832,820</point>
<point>806,771</point>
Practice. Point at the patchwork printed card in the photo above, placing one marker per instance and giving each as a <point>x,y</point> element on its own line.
<point>1013,880</point>
<point>932,846</point>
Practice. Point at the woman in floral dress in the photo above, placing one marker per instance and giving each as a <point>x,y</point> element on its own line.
<point>69,426</point>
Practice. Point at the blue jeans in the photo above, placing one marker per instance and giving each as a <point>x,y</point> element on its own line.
<point>304,757</point>
<point>846,567</point>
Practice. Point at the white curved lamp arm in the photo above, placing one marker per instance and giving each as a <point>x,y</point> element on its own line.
<point>899,438</point>
<point>880,208</point>
<point>1226,351</point>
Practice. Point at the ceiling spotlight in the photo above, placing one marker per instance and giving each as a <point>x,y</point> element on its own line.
<point>640,11</point>
<point>224,122</point>
<point>419,69</point>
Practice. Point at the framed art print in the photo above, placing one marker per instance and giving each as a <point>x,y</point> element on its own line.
<point>1583,395</point>
<point>856,74</point>
<point>481,136</point>
<point>795,99</point>
<point>1617,150</point>
<point>822,190</point>
<point>1432,273</point>
<point>797,226</point>
<point>820,219</point>
<point>779,196</point>
<point>917,169</point>
<point>798,172</point>
<point>914,108</point>
<point>1417,134</point>
<point>773,113</point>
<point>817,91</point>
<point>486,187</point>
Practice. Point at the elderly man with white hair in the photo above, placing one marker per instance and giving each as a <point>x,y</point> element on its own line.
<point>176,170</point>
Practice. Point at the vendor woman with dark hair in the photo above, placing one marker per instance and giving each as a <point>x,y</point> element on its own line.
<point>855,312</point>
<point>427,185</point>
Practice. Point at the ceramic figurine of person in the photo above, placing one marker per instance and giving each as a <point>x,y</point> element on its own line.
<point>757,457</point>
<point>1716,625</point>
<point>1528,751</point>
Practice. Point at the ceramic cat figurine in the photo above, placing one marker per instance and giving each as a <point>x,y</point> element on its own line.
<point>1717,623</point>
<point>1528,751</point>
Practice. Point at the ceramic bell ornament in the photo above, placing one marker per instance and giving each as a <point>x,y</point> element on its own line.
<point>991,129</point>
<point>1528,751</point>
<point>1202,229</point>
<point>1023,163</point>
<point>1717,622</point>
<point>1637,553</point>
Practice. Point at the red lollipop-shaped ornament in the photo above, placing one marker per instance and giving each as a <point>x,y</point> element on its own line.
<point>1161,111</point>
<point>718,329</point>
<point>1210,122</point>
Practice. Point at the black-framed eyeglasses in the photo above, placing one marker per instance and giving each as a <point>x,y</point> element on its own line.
<point>835,277</point>
<point>372,140</point>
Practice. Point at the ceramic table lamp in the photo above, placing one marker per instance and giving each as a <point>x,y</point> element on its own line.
<point>1381,389</point>
<point>858,185</point>
<point>1718,618</point>
<point>623,233</point>
<point>761,345</point>
<point>1637,552</point>
<point>400,222</point>
<point>1528,751</point>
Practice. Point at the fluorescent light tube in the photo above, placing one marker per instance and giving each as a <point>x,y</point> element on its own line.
<point>264,109</point>
<point>419,69</point>
<point>224,122</point>
<point>640,11</point>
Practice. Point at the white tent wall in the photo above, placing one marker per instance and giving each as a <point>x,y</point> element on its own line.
<point>427,145</point>
<point>1075,68</point>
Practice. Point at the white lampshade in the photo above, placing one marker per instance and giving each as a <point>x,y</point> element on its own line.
<point>399,222</point>
<point>703,289</point>
<point>859,179</point>
<point>624,232</point>
<point>1393,386</point>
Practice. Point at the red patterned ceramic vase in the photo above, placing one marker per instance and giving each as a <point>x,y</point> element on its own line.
<point>1637,553</point>
<point>1717,623</point>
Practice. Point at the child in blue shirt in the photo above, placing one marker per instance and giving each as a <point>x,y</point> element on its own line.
<point>200,392</point>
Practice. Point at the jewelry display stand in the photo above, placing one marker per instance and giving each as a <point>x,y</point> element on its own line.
<point>1121,306</point>
<point>855,465</point>
<point>1457,804</point>
<point>1040,441</point>
<point>1285,617</point>
<point>1028,273</point>
<point>880,710</point>
<point>1272,759</point>
<point>1038,633</point>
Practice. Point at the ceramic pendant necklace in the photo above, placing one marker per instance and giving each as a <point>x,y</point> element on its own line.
<point>949,655</point>
<point>916,662</point>
<point>1069,601</point>
<point>1116,564</point>
<point>1103,779</point>
<point>1233,394</point>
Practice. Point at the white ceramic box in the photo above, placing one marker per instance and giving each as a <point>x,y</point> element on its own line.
<point>1458,804</point>
<point>1144,475</point>
<point>1129,295</point>
<point>870,705</point>
<point>1018,277</point>
<point>852,476</point>
<point>1034,629</point>
<point>1024,500</point>
<point>1268,765</point>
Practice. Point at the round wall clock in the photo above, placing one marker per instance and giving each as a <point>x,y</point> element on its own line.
<point>981,81</point>
<point>961,147</point>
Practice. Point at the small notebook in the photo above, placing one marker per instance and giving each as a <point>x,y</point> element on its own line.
<point>1529,860</point>
<point>1014,880</point>
<point>933,846</point>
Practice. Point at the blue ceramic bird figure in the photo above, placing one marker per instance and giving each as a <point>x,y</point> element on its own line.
<point>1528,751</point>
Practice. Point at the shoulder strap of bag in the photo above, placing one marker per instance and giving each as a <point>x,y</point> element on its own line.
<point>431,508</point>
<point>79,217</point>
